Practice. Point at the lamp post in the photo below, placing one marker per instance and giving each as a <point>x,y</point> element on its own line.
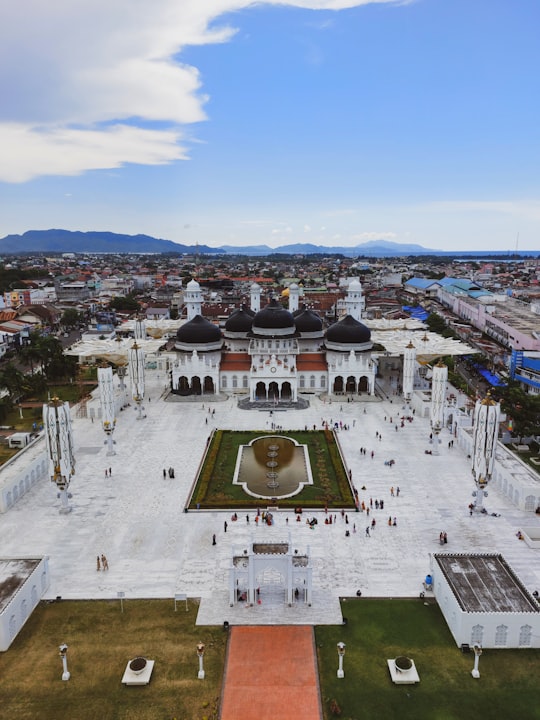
<point>341,653</point>
<point>200,654</point>
<point>63,648</point>
<point>477,652</point>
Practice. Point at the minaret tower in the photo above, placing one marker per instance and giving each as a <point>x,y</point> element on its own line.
<point>255,292</point>
<point>193,299</point>
<point>294,295</point>
<point>354,302</point>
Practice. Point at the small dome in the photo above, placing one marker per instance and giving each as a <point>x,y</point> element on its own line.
<point>355,286</point>
<point>193,285</point>
<point>348,332</point>
<point>198,331</point>
<point>307,321</point>
<point>239,321</point>
<point>273,317</point>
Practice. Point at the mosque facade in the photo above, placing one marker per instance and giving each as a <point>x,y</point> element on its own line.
<point>273,353</point>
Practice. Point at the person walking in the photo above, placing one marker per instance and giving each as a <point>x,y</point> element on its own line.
<point>213,539</point>
<point>98,564</point>
<point>225,526</point>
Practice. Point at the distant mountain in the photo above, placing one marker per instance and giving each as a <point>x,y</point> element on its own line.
<point>62,241</point>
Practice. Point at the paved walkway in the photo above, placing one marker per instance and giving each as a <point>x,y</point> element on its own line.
<point>136,517</point>
<point>271,672</point>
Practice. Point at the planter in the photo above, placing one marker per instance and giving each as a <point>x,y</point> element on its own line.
<point>137,665</point>
<point>403,663</point>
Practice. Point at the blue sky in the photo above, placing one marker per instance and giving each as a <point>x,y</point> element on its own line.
<point>331,122</point>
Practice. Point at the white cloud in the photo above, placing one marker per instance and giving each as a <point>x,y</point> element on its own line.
<point>69,69</point>
<point>64,151</point>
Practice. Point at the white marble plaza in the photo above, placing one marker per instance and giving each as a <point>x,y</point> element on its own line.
<point>154,549</point>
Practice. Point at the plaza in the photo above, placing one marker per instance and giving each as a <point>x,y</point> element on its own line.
<point>155,549</point>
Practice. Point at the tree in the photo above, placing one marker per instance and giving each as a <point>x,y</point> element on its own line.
<point>125,304</point>
<point>524,409</point>
<point>70,318</point>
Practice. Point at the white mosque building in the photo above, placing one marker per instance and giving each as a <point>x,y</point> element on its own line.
<point>272,354</point>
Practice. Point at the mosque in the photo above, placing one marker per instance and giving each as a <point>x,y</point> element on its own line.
<point>272,354</point>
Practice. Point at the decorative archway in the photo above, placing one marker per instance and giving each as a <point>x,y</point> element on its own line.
<point>260,391</point>
<point>350,386</point>
<point>273,391</point>
<point>363,384</point>
<point>196,387</point>
<point>286,391</point>
<point>209,385</point>
<point>183,386</point>
<point>338,385</point>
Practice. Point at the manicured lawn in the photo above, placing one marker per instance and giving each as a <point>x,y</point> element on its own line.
<point>380,629</point>
<point>101,640</point>
<point>214,487</point>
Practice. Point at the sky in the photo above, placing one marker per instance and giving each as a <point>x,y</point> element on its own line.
<point>229,122</point>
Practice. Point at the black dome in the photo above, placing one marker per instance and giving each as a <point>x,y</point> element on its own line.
<point>348,331</point>
<point>240,320</point>
<point>307,320</point>
<point>198,331</point>
<point>273,317</point>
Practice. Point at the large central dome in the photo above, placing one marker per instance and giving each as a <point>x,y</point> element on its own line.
<point>273,320</point>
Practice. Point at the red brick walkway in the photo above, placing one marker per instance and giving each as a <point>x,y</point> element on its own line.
<point>271,674</point>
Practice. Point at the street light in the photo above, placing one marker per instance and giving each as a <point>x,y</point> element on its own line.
<point>63,648</point>
<point>477,652</point>
<point>341,653</point>
<point>200,653</point>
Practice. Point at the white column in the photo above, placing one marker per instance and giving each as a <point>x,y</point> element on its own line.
<point>438,395</point>
<point>485,434</point>
<point>136,376</point>
<point>59,439</point>
<point>409,366</point>
<point>108,414</point>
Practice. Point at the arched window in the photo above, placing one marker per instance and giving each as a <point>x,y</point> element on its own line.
<point>501,635</point>
<point>234,381</point>
<point>244,381</point>
<point>312,381</point>
<point>477,634</point>
<point>323,381</point>
<point>302,381</point>
<point>224,382</point>
<point>525,636</point>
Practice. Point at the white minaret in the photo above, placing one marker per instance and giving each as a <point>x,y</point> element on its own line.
<point>294,295</point>
<point>438,395</point>
<point>136,376</point>
<point>59,437</point>
<point>139,330</point>
<point>485,433</point>
<point>409,367</point>
<point>106,395</point>
<point>193,299</point>
<point>354,302</point>
<point>255,292</point>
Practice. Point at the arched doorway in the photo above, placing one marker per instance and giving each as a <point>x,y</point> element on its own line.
<point>209,385</point>
<point>338,385</point>
<point>350,386</point>
<point>273,392</point>
<point>196,388</point>
<point>260,391</point>
<point>363,384</point>
<point>286,391</point>
<point>183,386</point>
